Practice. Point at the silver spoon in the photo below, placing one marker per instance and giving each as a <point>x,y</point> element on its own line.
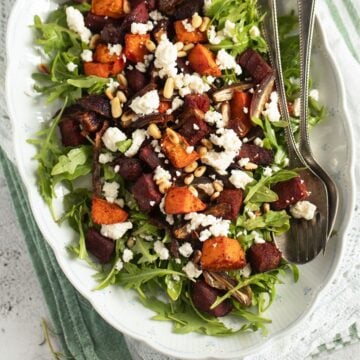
<point>305,239</point>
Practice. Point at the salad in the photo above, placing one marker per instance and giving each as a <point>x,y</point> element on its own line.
<point>169,107</point>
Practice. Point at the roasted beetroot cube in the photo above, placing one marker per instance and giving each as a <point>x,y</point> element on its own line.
<point>187,9</point>
<point>234,198</point>
<point>203,296</point>
<point>139,14</point>
<point>96,22</point>
<point>150,4</point>
<point>194,129</point>
<point>289,192</point>
<point>97,103</point>
<point>71,132</point>
<point>146,192</point>
<point>90,121</point>
<point>256,154</point>
<point>136,79</point>
<point>129,168</point>
<point>112,34</point>
<point>263,257</point>
<point>149,156</point>
<point>255,65</point>
<point>197,101</point>
<point>99,246</point>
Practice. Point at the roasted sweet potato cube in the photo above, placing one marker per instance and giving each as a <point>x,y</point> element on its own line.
<point>202,60</point>
<point>289,192</point>
<point>255,65</point>
<point>185,36</point>
<point>129,168</point>
<point>263,257</point>
<point>233,197</point>
<point>111,8</point>
<point>103,212</point>
<point>180,200</point>
<point>97,69</point>
<point>222,253</point>
<point>146,192</point>
<point>102,54</point>
<point>256,154</point>
<point>194,129</point>
<point>100,246</point>
<point>149,156</point>
<point>240,120</point>
<point>135,48</point>
<point>197,101</point>
<point>176,152</point>
<point>117,67</point>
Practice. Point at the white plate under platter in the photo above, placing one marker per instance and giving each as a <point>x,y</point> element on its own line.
<point>332,145</point>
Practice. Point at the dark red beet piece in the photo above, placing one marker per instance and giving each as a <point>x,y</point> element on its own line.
<point>89,120</point>
<point>149,156</point>
<point>150,4</point>
<point>97,103</point>
<point>289,192</point>
<point>183,66</point>
<point>136,79</point>
<point>96,23</point>
<point>194,129</point>
<point>99,246</point>
<point>139,14</point>
<point>203,296</point>
<point>254,64</point>
<point>168,6</point>
<point>129,168</point>
<point>263,257</point>
<point>145,192</point>
<point>188,8</point>
<point>234,198</point>
<point>256,154</point>
<point>197,101</point>
<point>71,132</point>
<point>112,34</point>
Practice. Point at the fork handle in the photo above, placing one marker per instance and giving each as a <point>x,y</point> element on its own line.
<point>306,20</point>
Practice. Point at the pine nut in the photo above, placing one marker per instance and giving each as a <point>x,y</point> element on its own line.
<point>173,136</point>
<point>200,171</point>
<point>182,54</point>
<point>169,88</point>
<point>189,179</point>
<point>202,151</point>
<point>225,112</point>
<point>116,109</point>
<point>193,190</point>
<point>250,166</point>
<point>218,186</point>
<point>205,23</point>
<point>126,7</point>
<point>196,20</point>
<point>122,97</point>
<point>179,45</point>
<point>109,94</point>
<point>127,118</point>
<point>266,207</point>
<point>215,195</point>
<point>154,131</point>
<point>131,242</point>
<point>94,41</point>
<point>207,143</point>
<point>164,187</point>
<point>150,45</point>
<point>191,168</point>
<point>122,80</point>
<point>188,47</point>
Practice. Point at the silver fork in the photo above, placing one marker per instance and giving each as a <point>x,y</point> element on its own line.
<point>306,19</point>
<point>305,239</point>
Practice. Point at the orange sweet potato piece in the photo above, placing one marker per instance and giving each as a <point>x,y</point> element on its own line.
<point>117,67</point>
<point>176,153</point>
<point>240,120</point>
<point>222,253</point>
<point>102,54</point>
<point>180,200</point>
<point>135,48</point>
<point>111,8</point>
<point>97,69</point>
<point>202,60</point>
<point>103,212</point>
<point>164,106</point>
<point>185,36</point>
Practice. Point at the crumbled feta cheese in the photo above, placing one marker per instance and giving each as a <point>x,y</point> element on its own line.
<point>215,118</point>
<point>115,49</point>
<point>105,158</point>
<point>186,249</point>
<point>196,127</point>
<point>187,25</point>
<point>71,66</point>
<point>251,214</point>
<point>245,140</point>
<point>245,110</point>
<point>166,58</point>
<point>286,161</point>
<point>119,265</point>
<point>160,174</point>
<point>161,250</point>
<point>176,103</point>
<point>190,83</point>
<point>245,271</point>
<point>115,231</point>
<point>116,168</point>
<point>243,161</point>
<point>229,29</point>
<point>110,190</point>
<point>296,107</point>
<point>227,61</point>
<point>112,136</point>
<point>87,55</point>
<point>146,104</point>
<point>258,239</point>
<point>267,171</point>
<point>214,37</point>
<point>204,235</point>
<point>189,149</point>
<point>272,108</point>
<point>170,219</point>
<point>258,142</point>
<point>75,21</point>
<point>303,209</point>
<point>210,79</point>
<point>138,137</point>
<point>191,271</point>
<point>128,255</point>
<point>314,94</point>
<point>120,202</point>
<point>156,15</point>
<point>254,31</point>
<point>140,28</point>
<point>207,188</point>
<point>152,203</point>
<point>112,85</point>
<point>228,140</point>
<point>60,190</point>
<point>240,179</point>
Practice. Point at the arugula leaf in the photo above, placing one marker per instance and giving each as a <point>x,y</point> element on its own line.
<point>142,248</point>
<point>124,145</point>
